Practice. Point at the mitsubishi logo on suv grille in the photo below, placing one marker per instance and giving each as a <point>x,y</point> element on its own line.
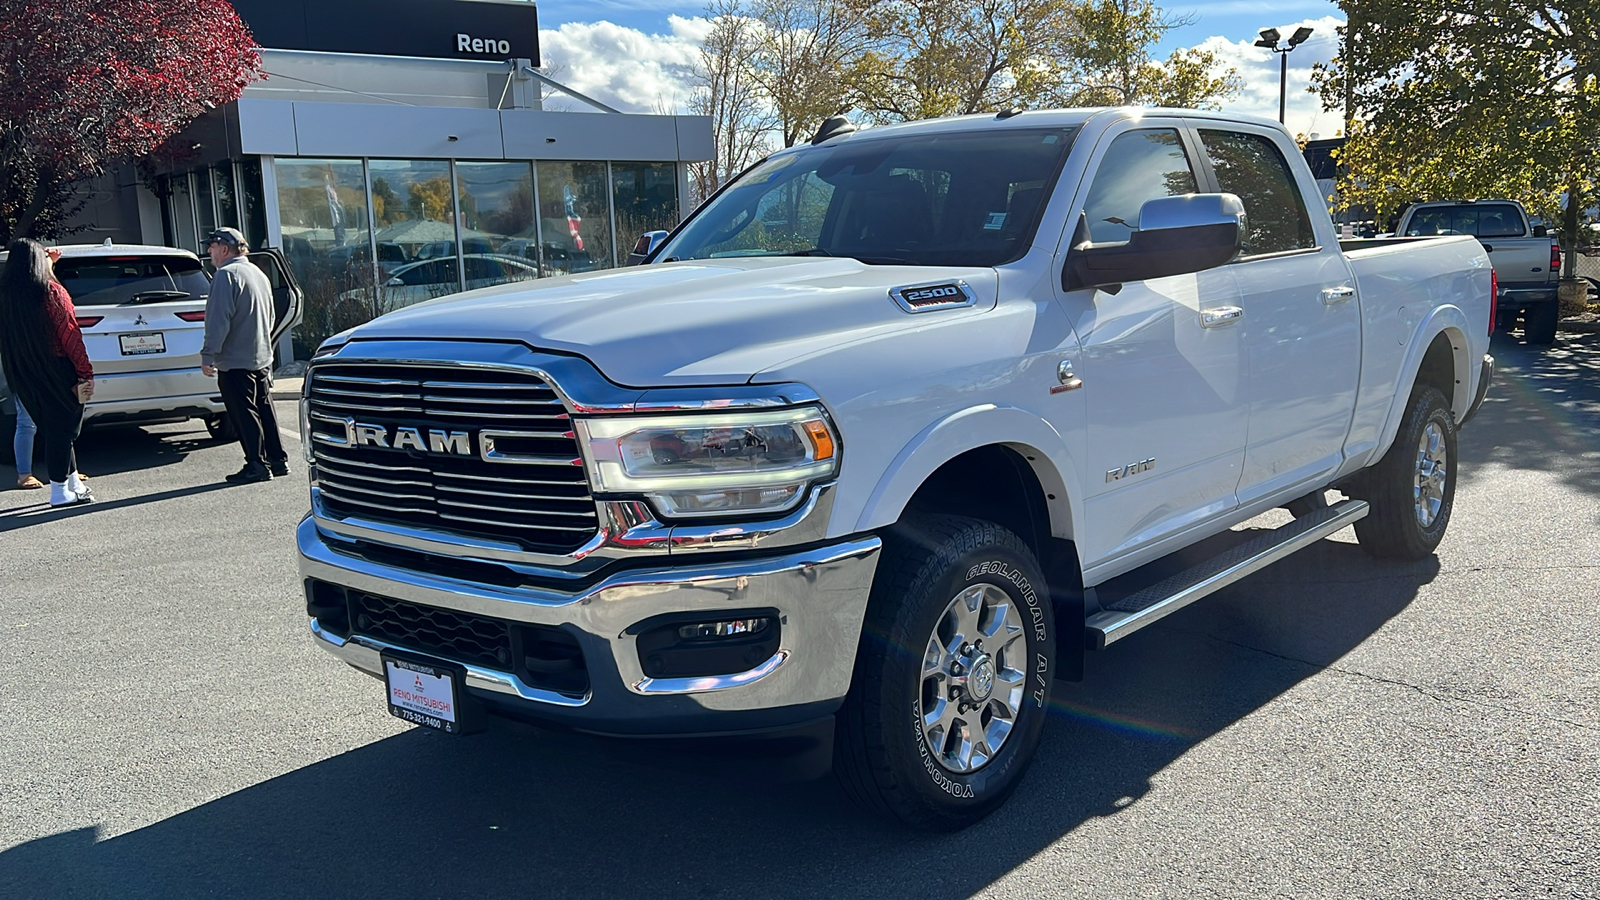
<point>448,443</point>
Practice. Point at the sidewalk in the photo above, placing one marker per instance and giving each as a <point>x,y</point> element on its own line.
<point>286,388</point>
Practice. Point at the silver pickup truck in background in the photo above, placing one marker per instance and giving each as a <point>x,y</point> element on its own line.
<point>1526,257</point>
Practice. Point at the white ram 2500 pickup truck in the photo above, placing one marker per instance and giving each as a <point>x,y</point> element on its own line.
<point>870,433</point>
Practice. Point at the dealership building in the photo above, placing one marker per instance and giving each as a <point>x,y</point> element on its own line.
<point>399,150</point>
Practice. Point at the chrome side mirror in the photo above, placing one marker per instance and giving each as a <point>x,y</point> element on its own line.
<point>1176,236</point>
<point>648,244</point>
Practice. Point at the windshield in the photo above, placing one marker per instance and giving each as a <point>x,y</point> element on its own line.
<point>110,280</point>
<point>953,199</point>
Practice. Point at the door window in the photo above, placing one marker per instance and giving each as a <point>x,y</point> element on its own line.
<point>1252,167</point>
<point>1138,166</point>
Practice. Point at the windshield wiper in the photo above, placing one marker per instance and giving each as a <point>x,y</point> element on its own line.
<point>156,297</point>
<point>814,251</point>
<point>886,261</point>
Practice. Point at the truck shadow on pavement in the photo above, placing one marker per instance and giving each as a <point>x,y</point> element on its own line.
<point>1542,412</point>
<point>522,812</point>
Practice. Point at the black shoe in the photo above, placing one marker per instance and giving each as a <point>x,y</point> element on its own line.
<point>280,469</point>
<point>250,474</point>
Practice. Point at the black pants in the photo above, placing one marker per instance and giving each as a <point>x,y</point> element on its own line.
<point>58,430</point>
<point>247,395</point>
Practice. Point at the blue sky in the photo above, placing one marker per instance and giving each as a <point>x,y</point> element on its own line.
<point>634,53</point>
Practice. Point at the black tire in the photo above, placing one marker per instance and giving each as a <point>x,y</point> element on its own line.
<point>1539,323</point>
<point>1407,481</point>
<point>221,428</point>
<point>882,755</point>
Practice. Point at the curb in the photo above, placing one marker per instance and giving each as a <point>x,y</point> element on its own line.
<point>1576,327</point>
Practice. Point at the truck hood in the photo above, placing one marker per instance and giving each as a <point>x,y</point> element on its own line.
<point>699,322</point>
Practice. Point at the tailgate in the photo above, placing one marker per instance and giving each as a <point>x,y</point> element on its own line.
<point>123,339</point>
<point>1519,260</point>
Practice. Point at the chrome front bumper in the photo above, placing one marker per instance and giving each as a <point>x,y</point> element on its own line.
<point>820,596</point>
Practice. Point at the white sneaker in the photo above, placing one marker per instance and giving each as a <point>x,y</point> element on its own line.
<point>61,495</point>
<point>76,486</point>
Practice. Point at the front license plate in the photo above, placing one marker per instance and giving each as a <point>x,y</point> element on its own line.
<point>426,694</point>
<point>143,344</point>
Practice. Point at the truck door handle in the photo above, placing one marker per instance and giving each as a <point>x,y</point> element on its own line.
<point>1218,316</point>
<point>1330,296</point>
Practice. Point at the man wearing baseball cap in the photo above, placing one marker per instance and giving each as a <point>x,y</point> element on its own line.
<point>238,352</point>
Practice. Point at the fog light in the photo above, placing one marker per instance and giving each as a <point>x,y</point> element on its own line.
<point>731,628</point>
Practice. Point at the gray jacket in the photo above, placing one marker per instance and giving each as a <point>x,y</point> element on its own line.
<point>238,318</point>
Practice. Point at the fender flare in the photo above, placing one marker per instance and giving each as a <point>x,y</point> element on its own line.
<point>1448,320</point>
<point>1040,445</point>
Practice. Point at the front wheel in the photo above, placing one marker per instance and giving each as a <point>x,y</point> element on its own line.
<point>952,677</point>
<point>1412,489</point>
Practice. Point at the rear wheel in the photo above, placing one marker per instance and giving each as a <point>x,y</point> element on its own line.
<point>1412,489</point>
<point>948,701</point>
<point>1539,323</point>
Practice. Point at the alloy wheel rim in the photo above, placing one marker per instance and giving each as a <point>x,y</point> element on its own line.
<point>973,678</point>
<point>1432,469</point>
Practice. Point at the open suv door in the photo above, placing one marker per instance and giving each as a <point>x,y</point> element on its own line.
<point>287,298</point>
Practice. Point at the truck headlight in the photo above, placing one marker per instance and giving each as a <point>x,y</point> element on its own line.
<point>712,465</point>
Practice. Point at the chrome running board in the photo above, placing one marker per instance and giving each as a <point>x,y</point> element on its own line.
<point>1161,600</point>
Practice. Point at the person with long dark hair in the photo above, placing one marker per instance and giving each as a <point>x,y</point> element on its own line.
<point>45,362</point>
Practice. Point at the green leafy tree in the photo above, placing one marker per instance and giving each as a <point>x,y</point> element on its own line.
<point>1111,64</point>
<point>1469,98</point>
<point>936,58</point>
<point>932,58</point>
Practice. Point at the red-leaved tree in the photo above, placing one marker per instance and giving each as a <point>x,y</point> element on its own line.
<point>87,83</point>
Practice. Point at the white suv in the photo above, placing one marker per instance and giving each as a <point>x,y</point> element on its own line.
<point>142,311</point>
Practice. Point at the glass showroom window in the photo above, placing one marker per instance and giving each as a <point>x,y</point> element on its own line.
<point>499,240</point>
<point>645,196</point>
<point>251,197</point>
<point>205,210</point>
<point>574,217</point>
<point>227,199</point>
<point>414,225</point>
<point>183,233</point>
<point>322,206</point>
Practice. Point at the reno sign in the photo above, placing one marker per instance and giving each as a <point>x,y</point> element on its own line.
<point>439,29</point>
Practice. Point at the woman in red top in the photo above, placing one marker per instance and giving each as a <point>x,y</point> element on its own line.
<point>45,363</point>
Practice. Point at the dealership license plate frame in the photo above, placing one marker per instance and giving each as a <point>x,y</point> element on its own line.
<point>435,675</point>
<point>142,349</point>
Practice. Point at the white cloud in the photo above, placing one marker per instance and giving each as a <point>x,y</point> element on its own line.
<point>1259,68</point>
<point>624,67</point>
<point>641,73</point>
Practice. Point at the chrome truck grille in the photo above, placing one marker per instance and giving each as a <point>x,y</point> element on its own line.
<point>487,454</point>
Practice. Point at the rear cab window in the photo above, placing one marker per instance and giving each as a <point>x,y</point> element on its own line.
<point>1477,219</point>
<point>113,280</point>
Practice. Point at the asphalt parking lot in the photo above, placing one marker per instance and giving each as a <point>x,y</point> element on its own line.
<point>1331,727</point>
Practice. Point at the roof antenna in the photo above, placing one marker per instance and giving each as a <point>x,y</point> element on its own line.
<point>1009,112</point>
<point>832,127</point>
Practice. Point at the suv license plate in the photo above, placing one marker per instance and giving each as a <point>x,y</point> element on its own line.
<point>143,344</point>
<point>424,693</point>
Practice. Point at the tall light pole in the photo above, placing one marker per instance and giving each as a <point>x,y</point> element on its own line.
<point>1269,40</point>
